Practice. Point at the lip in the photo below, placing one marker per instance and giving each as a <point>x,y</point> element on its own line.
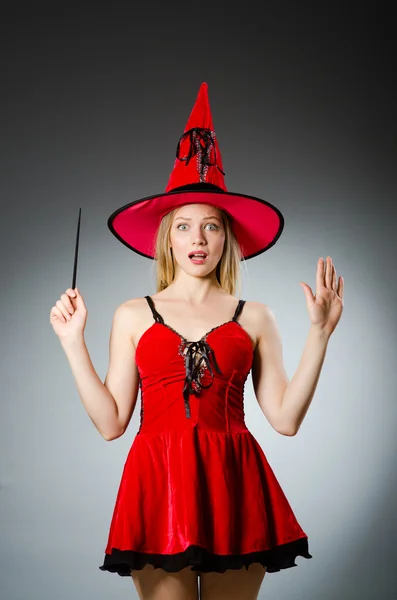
<point>198,251</point>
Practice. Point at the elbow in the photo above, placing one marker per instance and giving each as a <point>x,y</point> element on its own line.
<point>286,428</point>
<point>108,438</point>
<point>114,433</point>
<point>287,431</point>
<point>291,433</point>
<point>111,437</point>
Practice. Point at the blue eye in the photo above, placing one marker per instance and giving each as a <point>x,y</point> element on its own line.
<point>216,226</point>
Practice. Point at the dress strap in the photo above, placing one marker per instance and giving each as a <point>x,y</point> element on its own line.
<point>238,309</point>
<point>157,317</point>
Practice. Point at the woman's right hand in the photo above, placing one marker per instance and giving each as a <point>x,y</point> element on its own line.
<point>68,316</point>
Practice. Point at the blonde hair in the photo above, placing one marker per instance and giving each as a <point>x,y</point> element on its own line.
<point>228,270</point>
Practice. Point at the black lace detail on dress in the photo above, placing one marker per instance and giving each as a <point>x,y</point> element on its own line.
<point>142,407</point>
<point>275,559</point>
<point>195,369</point>
<point>197,355</point>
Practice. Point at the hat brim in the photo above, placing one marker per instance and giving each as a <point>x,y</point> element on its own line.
<point>256,223</point>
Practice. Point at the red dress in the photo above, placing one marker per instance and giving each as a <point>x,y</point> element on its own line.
<point>197,489</point>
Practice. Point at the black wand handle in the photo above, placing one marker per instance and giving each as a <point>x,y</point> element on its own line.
<point>76,252</point>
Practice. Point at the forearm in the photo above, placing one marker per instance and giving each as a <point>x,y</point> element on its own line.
<point>97,400</point>
<point>300,390</point>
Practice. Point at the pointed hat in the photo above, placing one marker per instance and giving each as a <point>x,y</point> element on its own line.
<point>198,177</point>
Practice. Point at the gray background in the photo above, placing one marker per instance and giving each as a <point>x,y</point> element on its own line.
<point>94,100</point>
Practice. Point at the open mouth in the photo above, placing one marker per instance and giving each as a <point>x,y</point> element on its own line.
<point>197,258</point>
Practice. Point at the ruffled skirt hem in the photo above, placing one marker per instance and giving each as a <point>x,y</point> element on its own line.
<point>275,559</point>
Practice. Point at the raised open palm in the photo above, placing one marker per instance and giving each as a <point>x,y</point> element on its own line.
<point>326,305</point>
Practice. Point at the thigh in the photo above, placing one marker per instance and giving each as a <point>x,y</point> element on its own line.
<point>157,584</point>
<point>233,584</point>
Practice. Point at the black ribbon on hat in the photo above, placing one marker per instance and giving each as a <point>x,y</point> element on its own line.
<point>201,142</point>
<point>192,383</point>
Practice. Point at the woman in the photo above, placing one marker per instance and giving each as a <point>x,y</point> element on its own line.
<point>198,502</point>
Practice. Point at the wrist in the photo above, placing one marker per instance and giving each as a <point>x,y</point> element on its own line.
<point>74,341</point>
<point>319,333</point>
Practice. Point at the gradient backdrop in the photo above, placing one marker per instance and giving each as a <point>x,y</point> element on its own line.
<point>94,99</point>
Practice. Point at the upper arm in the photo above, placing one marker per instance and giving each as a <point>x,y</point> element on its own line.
<point>122,379</point>
<point>268,373</point>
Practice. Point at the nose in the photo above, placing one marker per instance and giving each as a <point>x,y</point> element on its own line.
<point>198,235</point>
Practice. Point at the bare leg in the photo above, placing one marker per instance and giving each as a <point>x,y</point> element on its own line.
<point>233,584</point>
<point>157,584</point>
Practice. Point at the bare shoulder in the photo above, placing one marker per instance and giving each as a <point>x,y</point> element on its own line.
<point>132,306</point>
<point>128,311</point>
<point>258,309</point>
<point>260,320</point>
<point>134,315</point>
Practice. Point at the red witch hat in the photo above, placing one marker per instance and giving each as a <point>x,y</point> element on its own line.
<point>198,176</point>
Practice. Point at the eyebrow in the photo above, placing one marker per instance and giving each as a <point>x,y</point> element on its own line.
<point>189,219</point>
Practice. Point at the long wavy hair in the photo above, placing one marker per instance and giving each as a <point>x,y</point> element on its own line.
<point>228,270</point>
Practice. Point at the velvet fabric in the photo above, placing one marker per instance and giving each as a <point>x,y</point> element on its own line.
<point>198,490</point>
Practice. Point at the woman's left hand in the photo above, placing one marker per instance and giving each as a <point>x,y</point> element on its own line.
<point>325,308</point>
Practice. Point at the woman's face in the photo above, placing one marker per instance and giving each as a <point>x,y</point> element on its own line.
<point>195,228</point>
